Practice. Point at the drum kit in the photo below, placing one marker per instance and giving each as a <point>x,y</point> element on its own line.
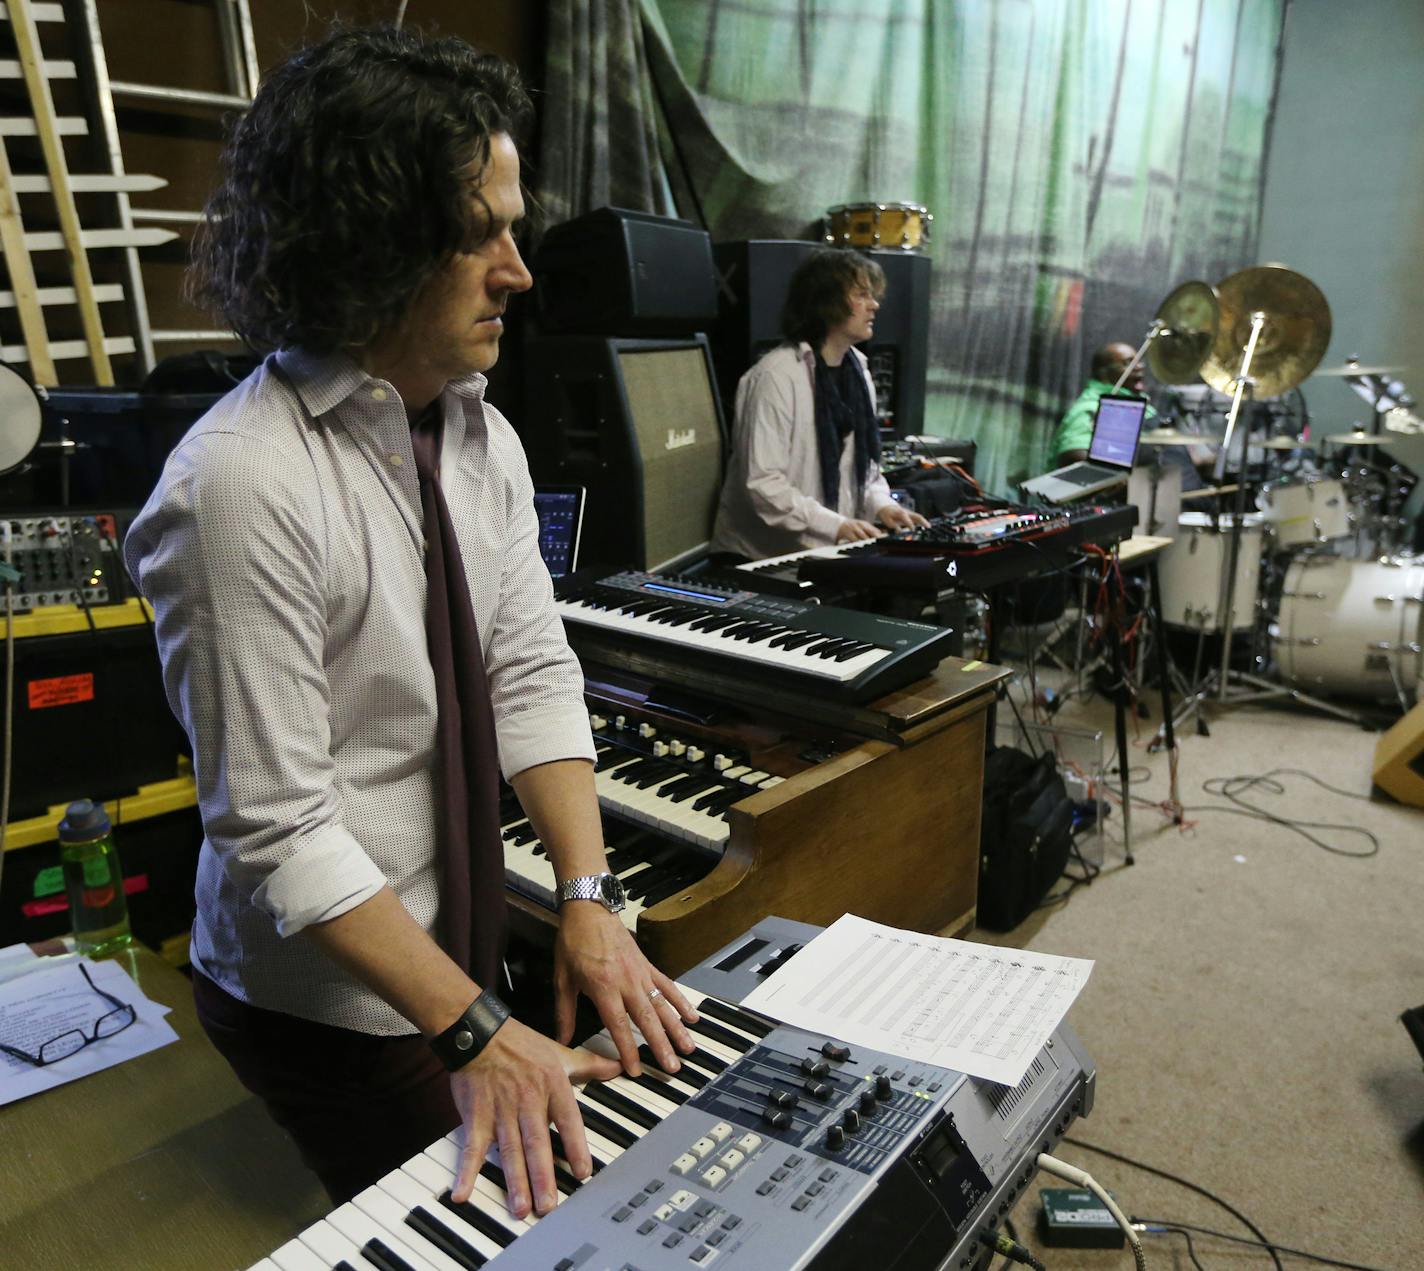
<point>1311,568</point>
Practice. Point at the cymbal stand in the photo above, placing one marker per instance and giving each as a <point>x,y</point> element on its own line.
<point>1256,688</point>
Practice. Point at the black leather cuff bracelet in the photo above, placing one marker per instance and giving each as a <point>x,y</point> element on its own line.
<point>471,1033</point>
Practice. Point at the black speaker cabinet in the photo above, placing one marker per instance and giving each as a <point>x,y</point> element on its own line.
<point>752,279</point>
<point>616,272</point>
<point>638,424</point>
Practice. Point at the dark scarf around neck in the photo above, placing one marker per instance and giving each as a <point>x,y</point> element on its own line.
<point>843,407</point>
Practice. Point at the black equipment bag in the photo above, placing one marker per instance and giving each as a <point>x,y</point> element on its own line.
<point>1025,835</point>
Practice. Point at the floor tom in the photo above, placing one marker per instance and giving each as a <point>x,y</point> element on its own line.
<point>1193,573</point>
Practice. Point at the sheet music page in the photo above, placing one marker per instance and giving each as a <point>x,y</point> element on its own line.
<point>972,1007</point>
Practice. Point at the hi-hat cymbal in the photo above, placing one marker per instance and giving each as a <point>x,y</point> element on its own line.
<point>1189,319</point>
<point>1354,368</point>
<point>1356,439</point>
<point>1294,334</point>
<point>1168,437</point>
<point>1284,443</point>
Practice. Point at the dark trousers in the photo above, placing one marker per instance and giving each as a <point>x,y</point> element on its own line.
<point>358,1106</point>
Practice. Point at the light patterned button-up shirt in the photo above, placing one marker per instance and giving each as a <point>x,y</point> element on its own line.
<point>283,554</point>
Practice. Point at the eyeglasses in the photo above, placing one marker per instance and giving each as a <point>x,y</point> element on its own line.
<point>75,1039</point>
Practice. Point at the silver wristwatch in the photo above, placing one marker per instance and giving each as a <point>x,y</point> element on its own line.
<point>604,888</point>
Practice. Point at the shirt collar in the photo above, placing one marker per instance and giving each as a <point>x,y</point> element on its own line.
<point>324,381</point>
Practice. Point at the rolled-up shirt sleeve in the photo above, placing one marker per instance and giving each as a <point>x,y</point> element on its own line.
<point>230,552</point>
<point>536,683</point>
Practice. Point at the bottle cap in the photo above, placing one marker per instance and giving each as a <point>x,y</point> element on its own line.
<point>84,820</point>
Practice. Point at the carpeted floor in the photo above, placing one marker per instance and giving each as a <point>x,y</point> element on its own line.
<point>1243,1010</point>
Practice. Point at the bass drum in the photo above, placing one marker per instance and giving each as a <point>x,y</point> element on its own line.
<point>1193,573</point>
<point>1353,627</point>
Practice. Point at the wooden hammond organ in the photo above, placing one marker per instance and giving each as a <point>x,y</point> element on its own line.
<point>729,797</point>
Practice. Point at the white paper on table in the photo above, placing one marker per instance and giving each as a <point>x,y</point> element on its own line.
<point>972,1007</point>
<point>17,960</point>
<point>48,1002</point>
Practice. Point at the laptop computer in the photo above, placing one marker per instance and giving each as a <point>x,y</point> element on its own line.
<point>560,512</point>
<point>1111,454</point>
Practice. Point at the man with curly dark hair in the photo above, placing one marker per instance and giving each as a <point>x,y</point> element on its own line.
<point>804,470</point>
<point>358,634</point>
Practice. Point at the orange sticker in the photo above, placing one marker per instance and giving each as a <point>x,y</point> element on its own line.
<point>63,690</point>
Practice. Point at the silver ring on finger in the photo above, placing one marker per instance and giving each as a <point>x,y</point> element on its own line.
<point>655,996</point>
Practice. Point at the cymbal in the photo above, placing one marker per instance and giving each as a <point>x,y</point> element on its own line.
<point>1293,337</point>
<point>1284,443</point>
<point>1169,437</point>
<point>1356,439</point>
<point>1188,319</point>
<point>1354,368</point>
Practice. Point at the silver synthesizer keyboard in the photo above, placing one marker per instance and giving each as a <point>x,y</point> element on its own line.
<point>772,1150</point>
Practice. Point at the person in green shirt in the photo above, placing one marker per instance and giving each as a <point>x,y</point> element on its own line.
<point>1071,438</point>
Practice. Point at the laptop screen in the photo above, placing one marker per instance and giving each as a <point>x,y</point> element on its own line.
<point>1116,429</point>
<point>560,512</point>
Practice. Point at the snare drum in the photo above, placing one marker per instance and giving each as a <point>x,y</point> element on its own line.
<point>1353,627</point>
<point>1313,511</point>
<point>1193,573</point>
<point>902,225</point>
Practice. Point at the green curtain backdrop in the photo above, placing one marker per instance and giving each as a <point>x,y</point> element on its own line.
<point>1081,158</point>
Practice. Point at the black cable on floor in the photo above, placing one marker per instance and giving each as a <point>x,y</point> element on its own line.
<point>1231,788</point>
<point>1190,1186</point>
<point>1174,1225</point>
<point>1185,1234</point>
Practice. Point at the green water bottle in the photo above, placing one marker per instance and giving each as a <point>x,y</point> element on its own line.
<point>93,880</point>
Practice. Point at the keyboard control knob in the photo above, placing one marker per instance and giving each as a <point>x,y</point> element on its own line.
<point>832,1050</point>
<point>835,1138</point>
<point>815,1067</point>
<point>696,754</point>
<point>850,1118</point>
<point>778,1118</point>
<point>678,748</point>
<point>867,1100</point>
<point>597,723</point>
<point>819,1089</point>
<point>782,1099</point>
<point>660,749</point>
<point>620,721</point>
<point>721,763</point>
<point>647,730</point>
<point>883,1088</point>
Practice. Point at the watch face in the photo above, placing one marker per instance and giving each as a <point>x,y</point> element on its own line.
<point>613,895</point>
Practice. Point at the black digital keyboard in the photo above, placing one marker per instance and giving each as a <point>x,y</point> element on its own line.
<point>773,1149</point>
<point>971,551</point>
<point>840,653</point>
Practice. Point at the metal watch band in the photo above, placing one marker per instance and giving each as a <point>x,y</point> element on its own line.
<point>605,888</point>
<point>471,1033</point>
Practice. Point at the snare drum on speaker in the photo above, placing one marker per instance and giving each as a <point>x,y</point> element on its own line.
<point>1193,573</point>
<point>902,225</point>
<point>1310,511</point>
<point>1353,627</point>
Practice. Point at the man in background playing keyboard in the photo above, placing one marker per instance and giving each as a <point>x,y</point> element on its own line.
<point>358,633</point>
<point>805,464</point>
